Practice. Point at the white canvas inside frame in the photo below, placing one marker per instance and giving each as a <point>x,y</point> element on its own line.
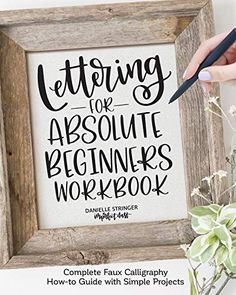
<point>126,209</point>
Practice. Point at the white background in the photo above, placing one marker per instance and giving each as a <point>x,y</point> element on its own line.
<point>33,281</point>
<point>151,207</point>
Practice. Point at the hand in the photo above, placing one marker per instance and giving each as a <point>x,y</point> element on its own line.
<point>223,70</point>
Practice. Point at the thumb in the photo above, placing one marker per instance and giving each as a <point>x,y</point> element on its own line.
<point>218,73</point>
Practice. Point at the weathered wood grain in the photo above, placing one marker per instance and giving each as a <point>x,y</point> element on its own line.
<point>202,135</point>
<point>151,22</point>
<point>102,12</point>
<point>214,124</point>
<point>110,236</point>
<point>6,243</point>
<point>16,117</point>
<point>91,34</point>
<point>94,257</point>
<point>99,25</point>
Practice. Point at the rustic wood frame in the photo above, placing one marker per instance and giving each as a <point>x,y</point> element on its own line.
<point>187,24</point>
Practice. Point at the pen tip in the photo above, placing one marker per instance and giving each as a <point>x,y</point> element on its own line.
<point>173,98</point>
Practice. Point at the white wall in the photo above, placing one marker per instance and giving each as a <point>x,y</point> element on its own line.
<point>33,281</point>
<point>225,18</point>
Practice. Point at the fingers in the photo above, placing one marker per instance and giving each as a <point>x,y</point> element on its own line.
<point>230,82</point>
<point>218,73</point>
<point>205,48</point>
<point>207,86</point>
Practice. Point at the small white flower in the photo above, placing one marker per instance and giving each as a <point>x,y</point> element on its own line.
<point>196,192</point>
<point>221,174</point>
<point>232,111</point>
<point>208,179</point>
<point>214,100</point>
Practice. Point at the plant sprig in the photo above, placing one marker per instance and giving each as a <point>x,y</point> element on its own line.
<point>215,225</point>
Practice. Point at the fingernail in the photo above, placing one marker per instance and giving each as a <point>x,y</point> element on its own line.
<point>184,75</point>
<point>204,76</point>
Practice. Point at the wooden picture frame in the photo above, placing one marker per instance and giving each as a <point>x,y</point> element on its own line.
<point>22,244</point>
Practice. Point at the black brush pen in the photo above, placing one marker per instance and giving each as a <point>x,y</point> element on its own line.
<point>209,60</point>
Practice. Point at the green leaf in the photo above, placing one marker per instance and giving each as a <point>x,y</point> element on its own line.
<point>215,208</point>
<point>229,266</point>
<point>228,213</point>
<point>234,240</point>
<point>229,208</point>
<point>195,226</point>
<point>232,256</point>
<point>232,224</point>
<point>221,255</point>
<point>227,220</point>
<point>196,259</point>
<point>209,253</point>
<point>202,225</point>
<point>223,235</point>
<point>199,245</point>
<point>206,222</point>
<point>193,289</point>
<point>200,211</point>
